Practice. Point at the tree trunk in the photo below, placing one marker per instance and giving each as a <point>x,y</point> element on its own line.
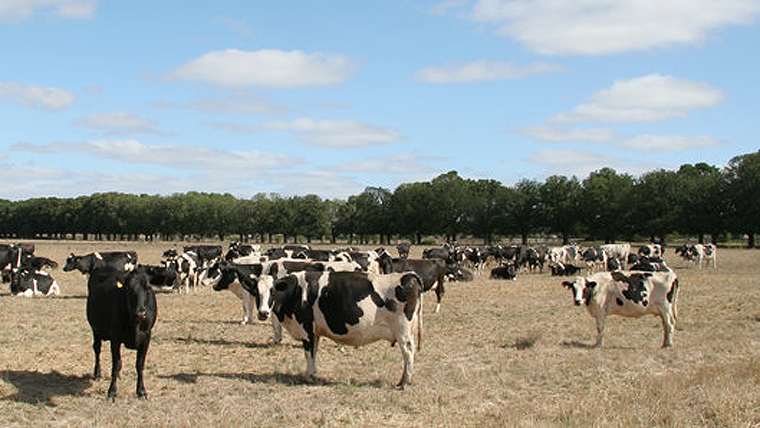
<point>751,240</point>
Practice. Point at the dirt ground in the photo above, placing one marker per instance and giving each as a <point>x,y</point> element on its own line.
<point>500,353</point>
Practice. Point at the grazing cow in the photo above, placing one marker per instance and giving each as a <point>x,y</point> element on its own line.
<point>562,269</point>
<point>699,252</point>
<point>619,252</point>
<point>504,272</point>
<point>351,308</point>
<point>120,260</point>
<point>27,281</point>
<point>121,308</point>
<point>403,250</point>
<point>432,272</point>
<point>628,294</point>
<point>456,273</point>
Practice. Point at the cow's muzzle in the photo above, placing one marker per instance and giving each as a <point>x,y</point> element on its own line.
<point>578,303</point>
<point>263,315</point>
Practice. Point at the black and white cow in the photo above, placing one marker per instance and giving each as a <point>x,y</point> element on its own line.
<point>618,252</point>
<point>120,260</point>
<point>595,258</point>
<point>241,253</point>
<point>707,252</point>
<point>205,254</point>
<point>351,308</point>
<point>504,272</point>
<point>27,281</point>
<point>161,277</point>
<point>562,269</point>
<point>121,308</point>
<point>650,264</point>
<point>651,250</point>
<point>628,294</point>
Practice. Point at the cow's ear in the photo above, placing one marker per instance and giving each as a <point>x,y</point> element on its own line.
<point>590,284</point>
<point>567,284</point>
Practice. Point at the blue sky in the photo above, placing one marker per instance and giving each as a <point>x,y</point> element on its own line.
<point>330,97</point>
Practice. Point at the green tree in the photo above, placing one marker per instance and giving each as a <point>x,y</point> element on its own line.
<point>743,175</point>
<point>606,200</point>
<point>561,205</point>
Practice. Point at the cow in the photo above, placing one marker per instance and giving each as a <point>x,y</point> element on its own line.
<point>206,254</point>
<point>595,258</point>
<point>628,294</point>
<point>351,308</point>
<point>121,308</point>
<point>456,273</point>
<point>27,281</point>
<point>619,252</point>
<point>651,250</point>
<point>238,251</point>
<point>12,257</point>
<point>403,250</point>
<point>650,264</point>
<point>504,272</point>
<point>699,252</point>
<point>161,277</point>
<point>120,260</point>
<point>431,271</point>
<point>188,267</point>
<point>562,269</point>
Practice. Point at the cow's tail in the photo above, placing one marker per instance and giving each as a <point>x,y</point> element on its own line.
<point>674,290</point>
<point>419,321</point>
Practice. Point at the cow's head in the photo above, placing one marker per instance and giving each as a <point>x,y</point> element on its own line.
<point>76,262</point>
<point>582,289</point>
<point>213,275</point>
<point>141,302</point>
<point>266,291</point>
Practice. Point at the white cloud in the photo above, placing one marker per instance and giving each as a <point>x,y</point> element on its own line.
<point>38,97</point>
<point>404,163</point>
<point>324,133</point>
<point>550,134</point>
<point>484,71</point>
<point>14,10</point>
<point>119,123</point>
<point>649,98</point>
<point>664,143</point>
<point>269,68</point>
<point>169,155</point>
<point>235,104</point>
<point>599,27</point>
<point>581,163</point>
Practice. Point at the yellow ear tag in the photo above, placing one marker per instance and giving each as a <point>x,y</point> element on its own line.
<point>119,284</point>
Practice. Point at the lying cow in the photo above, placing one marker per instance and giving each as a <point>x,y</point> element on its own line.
<point>561,269</point>
<point>121,308</point>
<point>628,294</point>
<point>351,308</point>
<point>29,282</point>
<point>504,272</point>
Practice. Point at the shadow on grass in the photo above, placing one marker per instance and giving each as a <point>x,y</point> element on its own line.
<point>287,379</point>
<point>224,342</point>
<point>576,344</point>
<point>40,388</point>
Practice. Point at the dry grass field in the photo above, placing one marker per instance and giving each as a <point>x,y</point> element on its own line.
<point>500,353</point>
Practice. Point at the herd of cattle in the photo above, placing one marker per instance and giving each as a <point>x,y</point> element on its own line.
<point>351,296</point>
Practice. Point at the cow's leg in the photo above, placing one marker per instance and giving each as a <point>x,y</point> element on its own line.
<point>601,319</point>
<point>668,325</point>
<point>115,367</point>
<point>439,291</point>
<point>276,330</point>
<point>96,342</point>
<point>247,307</point>
<point>142,350</point>
<point>406,344</point>
<point>310,350</point>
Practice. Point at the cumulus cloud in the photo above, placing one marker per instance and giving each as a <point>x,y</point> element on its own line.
<point>649,98</point>
<point>599,27</point>
<point>663,143</point>
<point>169,155</point>
<point>550,134</point>
<point>404,163</point>
<point>324,133</point>
<point>38,97</point>
<point>484,71</point>
<point>119,123</point>
<point>268,68</point>
<point>14,10</point>
<point>234,104</point>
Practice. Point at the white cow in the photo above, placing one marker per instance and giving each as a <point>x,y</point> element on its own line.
<point>619,252</point>
<point>628,294</point>
<point>707,252</point>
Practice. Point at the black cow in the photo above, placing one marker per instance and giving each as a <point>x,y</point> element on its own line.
<point>120,260</point>
<point>561,269</point>
<point>351,308</point>
<point>12,257</point>
<point>504,272</point>
<point>403,250</point>
<point>162,277</point>
<point>121,308</point>
<point>432,272</point>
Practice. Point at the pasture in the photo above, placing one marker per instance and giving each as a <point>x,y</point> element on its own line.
<point>500,353</point>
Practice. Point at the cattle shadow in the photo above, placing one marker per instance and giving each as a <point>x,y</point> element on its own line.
<point>40,388</point>
<point>225,342</point>
<point>286,379</point>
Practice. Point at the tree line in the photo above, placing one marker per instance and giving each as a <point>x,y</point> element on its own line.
<point>696,200</point>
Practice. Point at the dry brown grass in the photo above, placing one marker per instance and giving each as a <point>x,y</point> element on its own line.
<point>500,353</point>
